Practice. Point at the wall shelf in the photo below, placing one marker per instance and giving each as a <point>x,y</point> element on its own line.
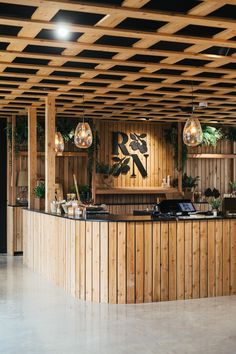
<point>158,190</point>
<point>64,154</point>
<point>212,156</point>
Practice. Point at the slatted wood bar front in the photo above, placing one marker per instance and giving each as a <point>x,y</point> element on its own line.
<point>133,262</point>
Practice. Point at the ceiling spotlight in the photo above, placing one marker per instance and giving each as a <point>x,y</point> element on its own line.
<point>62,32</point>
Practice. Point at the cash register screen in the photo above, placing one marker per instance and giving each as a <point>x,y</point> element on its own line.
<point>187,207</point>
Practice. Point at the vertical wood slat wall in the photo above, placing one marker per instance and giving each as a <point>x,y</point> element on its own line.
<point>213,172</point>
<point>133,262</point>
<point>65,167</point>
<point>160,161</point>
<point>14,230</point>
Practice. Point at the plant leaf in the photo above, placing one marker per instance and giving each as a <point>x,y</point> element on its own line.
<point>133,136</point>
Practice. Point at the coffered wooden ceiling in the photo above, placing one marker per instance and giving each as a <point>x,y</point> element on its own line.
<point>132,59</point>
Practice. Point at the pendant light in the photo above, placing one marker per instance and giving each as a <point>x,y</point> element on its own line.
<point>83,134</point>
<point>59,143</point>
<point>192,133</point>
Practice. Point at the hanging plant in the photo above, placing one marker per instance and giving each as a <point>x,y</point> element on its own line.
<point>211,135</point>
<point>171,137</point>
<point>66,127</point>
<point>20,134</point>
<point>230,133</point>
<point>92,150</point>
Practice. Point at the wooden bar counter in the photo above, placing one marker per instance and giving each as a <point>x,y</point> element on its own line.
<point>132,259</point>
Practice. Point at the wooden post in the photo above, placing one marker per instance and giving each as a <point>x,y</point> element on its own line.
<point>234,163</point>
<point>180,151</point>
<point>13,163</point>
<point>32,154</point>
<point>50,161</point>
<point>9,169</point>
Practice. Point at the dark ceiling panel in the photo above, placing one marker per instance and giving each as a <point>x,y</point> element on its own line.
<point>52,35</point>
<point>199,31</point>
<point>43,49</point>
<point>16,11</point>
<point>31,61</point>
<point>78,65</point>
<point>96,54</point>
<point>171,5</point>
<point>147,58</point>
<point>20,70</point>
<point>117,41</point>
<point>127,68</point>
<point>175,46</point>
<point>219,51</point>
<point>193,62</point>
<point>80,18</point>
<point>9,30</point>
<point>140,24</point>
<point>226,11</point>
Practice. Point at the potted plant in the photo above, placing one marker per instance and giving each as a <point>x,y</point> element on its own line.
<point>39,192</point>
<point>233,186</point>
<point>104,175</point>
<point>215,205</point>
<point>85,193</point>
<point>189,184</point>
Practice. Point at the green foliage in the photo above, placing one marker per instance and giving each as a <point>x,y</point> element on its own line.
<point>103,168</point>
<point>215,202</point>
<point>39,190</point>
<point>92,150</point>
<point>211,135</point>
<point>233,185</point>
<point>66,127</point>
<point>187,181</point>
<point>171,137</point>
<point>230,133</point>
<point>20,133</point>
<point>85,193</point>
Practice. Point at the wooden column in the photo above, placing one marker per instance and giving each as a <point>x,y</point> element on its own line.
<point>13,163</point>
<point>234,163</point>
<point>180,152</point>
<point>9,170</point>
<point>32,154</point>
<point>50,162</point>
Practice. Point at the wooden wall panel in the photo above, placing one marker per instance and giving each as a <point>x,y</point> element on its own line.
<point>133,262</point>
<point>160,161</point>
<point>130,229</point>
<point>214,173</point>
<point>14,230</point>
<point>65,168</point>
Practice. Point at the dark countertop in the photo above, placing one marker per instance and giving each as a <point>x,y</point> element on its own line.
<point>134,218</point>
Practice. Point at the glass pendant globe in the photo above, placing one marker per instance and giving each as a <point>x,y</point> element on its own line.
<point>192,133</point>
<point>59,143</point>
<point>83,136</point>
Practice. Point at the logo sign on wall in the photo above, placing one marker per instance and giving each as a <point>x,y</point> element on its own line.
<point>130,154</point>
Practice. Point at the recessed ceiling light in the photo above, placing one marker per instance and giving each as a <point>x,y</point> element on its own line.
<point>62,31</point>
<point>213,121</point>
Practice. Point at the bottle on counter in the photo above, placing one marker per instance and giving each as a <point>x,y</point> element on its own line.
<point>58,209</point>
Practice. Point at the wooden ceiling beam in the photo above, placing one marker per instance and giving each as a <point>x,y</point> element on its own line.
<point>157,36</point>
<point>95,71</point>
<point>129,12</point>
<point>74,81</point>
<point>126,50</point>
<point>113,62</point>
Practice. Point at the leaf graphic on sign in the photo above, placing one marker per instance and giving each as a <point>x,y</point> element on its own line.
<point>142,136</point>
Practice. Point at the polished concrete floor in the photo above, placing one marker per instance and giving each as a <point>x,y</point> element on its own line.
<point>37,317</point>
